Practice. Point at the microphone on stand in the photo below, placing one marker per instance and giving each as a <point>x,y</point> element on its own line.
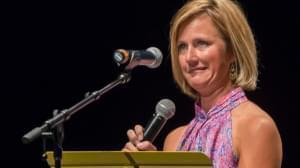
<point>151,57</point>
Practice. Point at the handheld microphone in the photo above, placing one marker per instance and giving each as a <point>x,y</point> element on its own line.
<point>151,57</point>
<point>165,109</point>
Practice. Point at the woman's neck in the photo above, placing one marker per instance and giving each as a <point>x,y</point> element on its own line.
<point>209,100</point>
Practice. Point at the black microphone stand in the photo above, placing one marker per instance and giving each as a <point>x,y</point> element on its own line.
<point>53,128</point>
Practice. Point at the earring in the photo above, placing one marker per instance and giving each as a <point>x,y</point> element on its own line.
<point>233,72</point>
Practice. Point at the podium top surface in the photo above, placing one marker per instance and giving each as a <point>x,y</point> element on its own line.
<point>120,158</point>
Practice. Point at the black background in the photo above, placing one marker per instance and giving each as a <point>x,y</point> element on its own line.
<point>56,52</point>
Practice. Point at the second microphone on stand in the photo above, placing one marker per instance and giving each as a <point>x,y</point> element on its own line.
<point>151,57</point>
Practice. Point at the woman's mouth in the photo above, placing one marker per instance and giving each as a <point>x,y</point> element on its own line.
<point>196,69</point>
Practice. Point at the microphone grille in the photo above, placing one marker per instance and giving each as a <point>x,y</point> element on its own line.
<point>158,57</point>
<point>165,108</point>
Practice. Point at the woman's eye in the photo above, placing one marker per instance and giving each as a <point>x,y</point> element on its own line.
<point>181,48</point>
<point>201,43</point>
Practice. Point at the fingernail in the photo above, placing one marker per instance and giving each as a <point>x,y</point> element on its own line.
<point>139,145</point>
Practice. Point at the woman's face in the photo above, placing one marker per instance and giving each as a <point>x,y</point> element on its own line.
<point>203,57</point>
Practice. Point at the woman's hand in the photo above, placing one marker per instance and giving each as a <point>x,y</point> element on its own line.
<point>136,142</point>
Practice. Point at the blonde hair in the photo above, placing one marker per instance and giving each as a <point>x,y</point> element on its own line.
<point>232,24</point>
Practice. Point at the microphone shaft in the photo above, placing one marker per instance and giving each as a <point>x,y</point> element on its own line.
<point>153,127</point>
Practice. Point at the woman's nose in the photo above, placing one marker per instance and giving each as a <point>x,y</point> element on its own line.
<point>191,57</point>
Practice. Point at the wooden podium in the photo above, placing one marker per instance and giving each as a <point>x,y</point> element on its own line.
<point>119,159</point>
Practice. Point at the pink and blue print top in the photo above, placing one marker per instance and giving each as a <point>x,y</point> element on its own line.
<point>211,132</point>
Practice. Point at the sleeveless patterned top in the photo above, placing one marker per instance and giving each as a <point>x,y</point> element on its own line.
<point>211,132</point>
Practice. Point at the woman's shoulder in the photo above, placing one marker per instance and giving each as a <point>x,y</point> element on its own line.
<point>250,118</point>
<point>254,130</point>
<point>173,138</point>
<point>250,113</point>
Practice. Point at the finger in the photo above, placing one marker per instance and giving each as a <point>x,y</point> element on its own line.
<point>129,147</point>
<point>139,131</point>
<point>146,146</point>
<point>132,137</point>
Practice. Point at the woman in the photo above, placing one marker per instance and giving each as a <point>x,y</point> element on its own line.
<point>214,60</point>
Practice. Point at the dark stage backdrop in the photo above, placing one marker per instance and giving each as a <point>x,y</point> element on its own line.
<point>58,51</point>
